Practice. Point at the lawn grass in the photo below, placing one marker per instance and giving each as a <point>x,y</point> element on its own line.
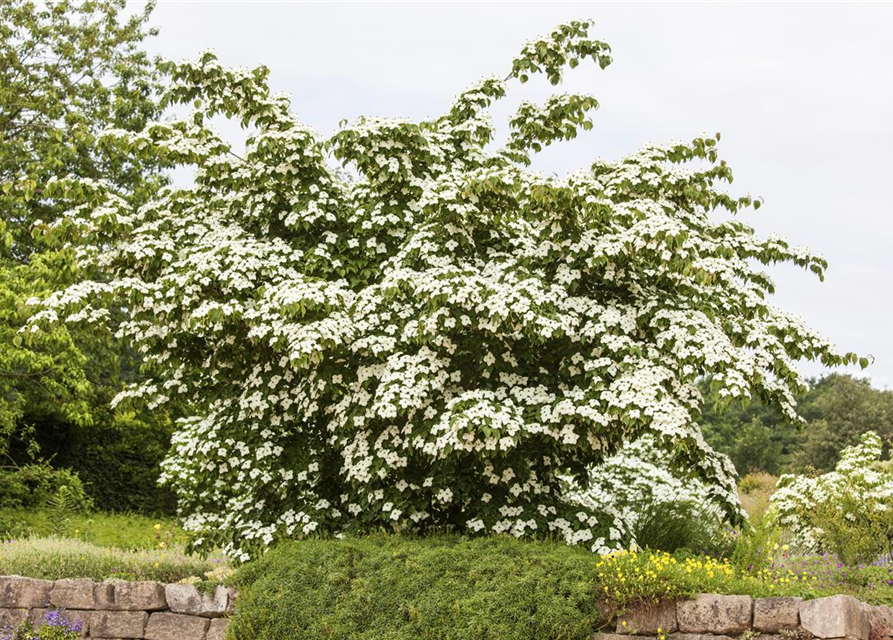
<point>123,530</point>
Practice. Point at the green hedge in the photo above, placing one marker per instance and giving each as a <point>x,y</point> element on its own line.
<point>117,458</point>
<point>388,587</point>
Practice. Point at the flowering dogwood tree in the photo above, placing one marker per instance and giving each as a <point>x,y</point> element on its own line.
<point>832,511</point>
<point>433,335</point>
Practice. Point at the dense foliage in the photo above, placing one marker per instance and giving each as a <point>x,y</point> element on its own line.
<point>661,507</point>
<point>69,70</point>
<point>117,457</point>
<point>434,336</point>
<point>438,587</point>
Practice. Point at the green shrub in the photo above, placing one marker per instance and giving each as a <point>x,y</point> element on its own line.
<point>681,525</point>
<point>453,588</point>
<point>856,526</point>
<point>439,587</point>
<point>33,485</point>
<point>848,511</point>
<point>57,558</point>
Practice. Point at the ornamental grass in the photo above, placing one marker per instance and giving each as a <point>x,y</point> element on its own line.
<point>55,558</point>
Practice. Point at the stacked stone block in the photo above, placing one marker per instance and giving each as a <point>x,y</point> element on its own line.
<point>120,610</point>
<point>715,617</point>
<point>152,611</point>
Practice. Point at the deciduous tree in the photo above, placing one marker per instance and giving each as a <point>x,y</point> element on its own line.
<point>431,335</point>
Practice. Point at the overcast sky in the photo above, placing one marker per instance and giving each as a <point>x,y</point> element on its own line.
<point>802,94</point>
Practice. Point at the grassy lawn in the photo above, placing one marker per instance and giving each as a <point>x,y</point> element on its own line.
<point>123,530</point>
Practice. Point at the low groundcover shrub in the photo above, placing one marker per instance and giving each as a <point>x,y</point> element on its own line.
<point>436,587</point>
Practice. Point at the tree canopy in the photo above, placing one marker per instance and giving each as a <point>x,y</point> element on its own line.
<point>69,70</point>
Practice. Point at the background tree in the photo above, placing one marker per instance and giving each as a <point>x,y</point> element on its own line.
<point>68,71</point>
<point>435,336</point>
<point>837,410</point>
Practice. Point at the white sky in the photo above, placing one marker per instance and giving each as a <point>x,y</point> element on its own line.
<point>801,92</point>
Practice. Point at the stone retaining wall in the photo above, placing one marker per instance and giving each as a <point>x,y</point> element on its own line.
<point>152,611</point>
<point>120,610</point>
<point>714,617</point>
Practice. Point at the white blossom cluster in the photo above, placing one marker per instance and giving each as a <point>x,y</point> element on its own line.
<point>640,476</point>
<point>857,473</point>
<point>434,336</point>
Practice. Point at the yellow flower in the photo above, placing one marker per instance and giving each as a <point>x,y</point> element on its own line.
<point>157,527</point>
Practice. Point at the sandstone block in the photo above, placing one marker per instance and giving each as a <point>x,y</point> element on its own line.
<point>73,594</point>
<point>711,613</point>
<point>130,596</point>
<point>12,618</point>
<point>835,617</point>
<point>103,595</point>
<point>880,619</point>
<point>704,636</point>
<point>175,626</point>
<point>185,598</point>
<point>217,629</point>
<point>118,624</point>
<point>231,606</point>
<point>23,593</point>
<point>647,619</point>
<point>774,614</point>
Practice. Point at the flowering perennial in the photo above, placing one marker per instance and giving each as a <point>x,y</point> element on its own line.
<point>430,334</point>
<point>55,624</point>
